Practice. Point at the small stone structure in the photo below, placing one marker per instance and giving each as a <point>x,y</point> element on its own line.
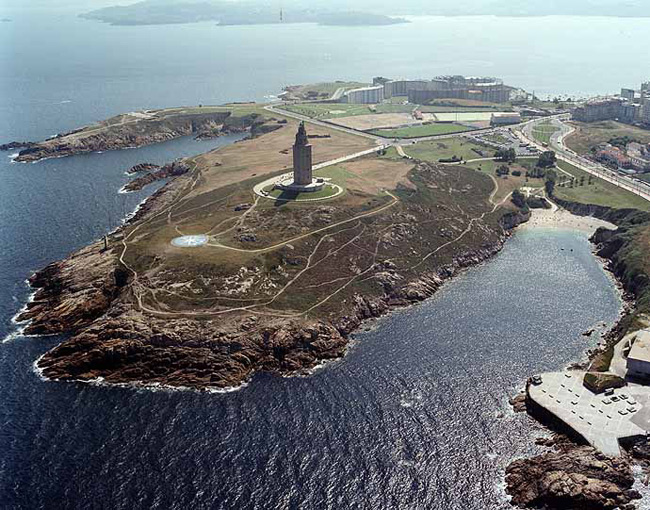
<point>638,360</point>
<point>303,179</point>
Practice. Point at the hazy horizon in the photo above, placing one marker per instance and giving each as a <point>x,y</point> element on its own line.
<point>407,7</point>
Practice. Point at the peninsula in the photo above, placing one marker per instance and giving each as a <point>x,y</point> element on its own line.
<point>136,129</point>
<point>265,255</point>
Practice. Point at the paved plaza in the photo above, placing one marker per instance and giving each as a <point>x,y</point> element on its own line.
<point>601,420</point>
<point>190,241</point>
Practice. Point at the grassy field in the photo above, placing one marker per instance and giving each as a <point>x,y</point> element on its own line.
<point>599,192</point>
<point>398,99</point>
<point>467,103</point>
<point>543,131</point>
<point>591,134</point>
<point>328,110</point>
<point>339,110</point>
<point>464,149</point>
<point>421,131</point>
<point>437,149</point>
<point>272,153</point>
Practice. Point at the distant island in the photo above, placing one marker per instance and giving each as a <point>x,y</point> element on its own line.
<point>337,12</point>
<point>151,12</point>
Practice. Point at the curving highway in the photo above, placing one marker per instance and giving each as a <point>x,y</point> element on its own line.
<point>524,132</point>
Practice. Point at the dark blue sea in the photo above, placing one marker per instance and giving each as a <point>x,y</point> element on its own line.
<point>415,416</point>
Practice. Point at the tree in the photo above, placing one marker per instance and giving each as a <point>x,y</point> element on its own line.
<point>549,184</point>
<point>503,170</point>
<point>519,199</point>
<point>507,155</point>
<point>547,159</point>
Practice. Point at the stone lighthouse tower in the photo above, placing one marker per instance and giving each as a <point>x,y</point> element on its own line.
<point>302,180</point>
<point>302,172</point>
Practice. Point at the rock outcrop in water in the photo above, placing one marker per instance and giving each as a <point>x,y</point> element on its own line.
<point>572,477</point>
<point>142,167</point>
<point>15,145</point>
<point>159,173</point>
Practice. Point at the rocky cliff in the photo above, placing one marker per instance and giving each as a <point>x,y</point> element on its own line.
<point>119,343</point>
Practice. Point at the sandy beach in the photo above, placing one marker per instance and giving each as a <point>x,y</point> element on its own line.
<point>563,219</point>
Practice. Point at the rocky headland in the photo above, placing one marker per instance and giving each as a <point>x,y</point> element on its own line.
<point>143,128</point>
<point>571,477</point>
<point>120,336</point>
<point>153,173</point>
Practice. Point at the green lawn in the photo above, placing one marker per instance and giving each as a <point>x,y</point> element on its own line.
<point>395,108</point>
<point>599,192</point>
<point>437,149</point>
<point>543,131</point>
<point>337,175</point>
<point>421,131</point>
<point>331,87</point>
<point>328,110</point>
<point>338,110</point>
<point>398,99</point>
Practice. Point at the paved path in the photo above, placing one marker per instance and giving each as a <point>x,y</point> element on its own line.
<point>298,116</point>
<point>598,419</point>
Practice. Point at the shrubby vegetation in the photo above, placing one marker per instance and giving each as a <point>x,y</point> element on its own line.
<point>547,159</point>
<point>507,155</point>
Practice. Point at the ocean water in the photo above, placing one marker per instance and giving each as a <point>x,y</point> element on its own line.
<point>416,415</point>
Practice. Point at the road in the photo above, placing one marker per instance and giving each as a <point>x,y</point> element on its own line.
<point>378,139</point>
<point>564,154</point>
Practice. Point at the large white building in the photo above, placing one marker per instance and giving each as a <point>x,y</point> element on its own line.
<point>638,360</point>
<point>645,110</point>
<point>365,95</point>
<point>505,118</point>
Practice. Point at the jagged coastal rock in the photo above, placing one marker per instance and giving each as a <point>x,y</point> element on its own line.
<point>573,477</point>
<point>142,167</point>
<point>156,173</point>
